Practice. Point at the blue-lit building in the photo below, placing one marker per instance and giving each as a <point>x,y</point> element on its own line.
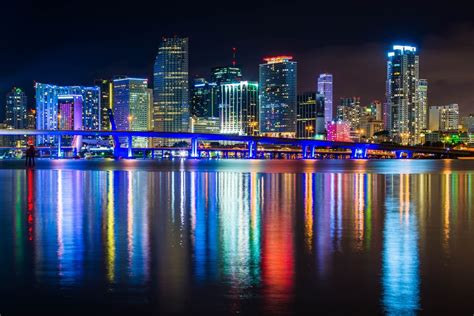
<point>403,107</point>
<point>47,109</point>
<point>325,88</point>
<point>170,86</point>
<point>131,105</point>
<point>277,83</point>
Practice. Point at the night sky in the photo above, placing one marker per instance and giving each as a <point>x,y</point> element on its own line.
<point>74,42</point>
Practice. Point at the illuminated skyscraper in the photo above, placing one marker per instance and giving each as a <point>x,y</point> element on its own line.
<point>325,87</point>
<point>421,109</point>
<point>47,107</point>
<point>278,96</point>
<point>239,108</point>
<point>227,74</point>
<point>15,110</point>
<point>132,106</point>
<point>444,118</point>
<point>404,111</point>
<point>106,101</point>
<point>170,86</point>
<point>349,110</point>
<point>310,115</point>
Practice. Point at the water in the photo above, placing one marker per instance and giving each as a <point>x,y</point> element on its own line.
<point>237,237</point>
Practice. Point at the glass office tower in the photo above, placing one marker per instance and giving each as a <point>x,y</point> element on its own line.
<point>170,86</point>
<point>277,83</point>
<point>106,101</point>
<point>15,109</point>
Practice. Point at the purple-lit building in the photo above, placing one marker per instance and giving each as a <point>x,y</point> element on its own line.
<point>325,82</point>
<point>70,112</point>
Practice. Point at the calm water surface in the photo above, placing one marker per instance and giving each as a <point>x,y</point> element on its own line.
<point>237,237</point>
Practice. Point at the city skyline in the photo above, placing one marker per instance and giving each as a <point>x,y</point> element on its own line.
<point>355,57</point>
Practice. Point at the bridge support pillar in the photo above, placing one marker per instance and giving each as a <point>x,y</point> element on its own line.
<point>359,152</point>
<point>399,154</point>
<point>130,149</point>
<point>313,152</point>
<point>252,149</point>
<point>59,146</point>
<point>194,148</point>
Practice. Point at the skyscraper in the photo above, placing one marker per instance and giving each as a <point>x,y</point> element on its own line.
<point>47,107</point>
<point>106,101</point>
<point>277,83</point>
<point>421,109</point>
<point>325,82</point>
<point>132,106</point>
<point>226,74</point>
<point>349,110</point>
<point>204,98</point>
<point>70,112</point>
<point>310,115</point>
<point>239,108</point>
<point>170,86</point>
<point>403,108</point>
<point>16,109</point>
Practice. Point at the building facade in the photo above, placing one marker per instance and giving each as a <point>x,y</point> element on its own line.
<point>16,109</point>
<point>170,86</point>
<point>339,131</point>
<point>277,82</point>
<point>204,97</point>
<point>239,108</point>
<point>132,106</point>
<point>350,110</point>
<point>325,87</point>
<point>444,118</point>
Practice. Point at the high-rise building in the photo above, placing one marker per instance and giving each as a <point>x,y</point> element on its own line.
<point>350,110</point>
<point>204,96</point>
<point>16,109</point>
<point>376,111</point>
<point>106,101</point>
<point>403,108</point>
<point>306,115</point>
<point>468,123</point>
<point>47,107</point>
<point>170,86</point>
<point>325,87</point>
<point>206,125</point>
<point>31,119</point>
<point>421,109</point>
<point>310,122</point>
<point>278,96</point>
<point>239,108</point>
<point>444,118</point>
<point>132,106</point>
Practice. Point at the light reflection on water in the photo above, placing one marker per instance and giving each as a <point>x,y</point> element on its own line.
<point>238,241</point>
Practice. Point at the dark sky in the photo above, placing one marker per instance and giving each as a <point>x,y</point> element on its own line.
<point>73,42</point>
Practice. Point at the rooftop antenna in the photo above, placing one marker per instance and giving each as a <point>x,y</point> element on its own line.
<point>234,52</point>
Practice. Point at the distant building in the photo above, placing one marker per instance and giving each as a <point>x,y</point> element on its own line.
<point>468,123</point>
<point>350,110</point>
<point>132,106</point>
<point>106,101</point>
<point>206,125</point>
<point>226,74</point>
<point>325,87</point>
<point>376,110</point>
<point>204,97</point>
<point>444,118</point>
<point>16,109</point>
<point>278,96</point>
<point>371,127</point>
<point>339,131</point>
<point>404,89</point>
<point>170,86</point>
<point>47,107</point>
<point>239,108</point>
<point>31,119</point>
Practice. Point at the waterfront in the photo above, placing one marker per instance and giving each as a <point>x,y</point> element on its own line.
<point>243,236</point>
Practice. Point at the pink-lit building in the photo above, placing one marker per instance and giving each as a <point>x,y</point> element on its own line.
<point>339,131</point>
<point>70,112</point>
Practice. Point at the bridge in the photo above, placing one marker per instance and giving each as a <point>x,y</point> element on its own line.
<point>308,148</point>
